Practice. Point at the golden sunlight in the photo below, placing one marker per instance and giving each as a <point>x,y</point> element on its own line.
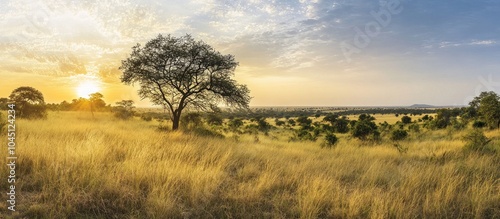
<point>85,88</point>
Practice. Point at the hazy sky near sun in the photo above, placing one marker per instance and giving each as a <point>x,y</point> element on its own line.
<point>299,53</point>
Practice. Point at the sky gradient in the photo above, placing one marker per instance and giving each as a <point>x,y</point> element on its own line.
<point>290,53</point>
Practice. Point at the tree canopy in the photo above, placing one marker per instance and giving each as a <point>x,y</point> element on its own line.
<point>487,105</point>
<point>365,127</point>
<point>124,109</point>
<point>29,102</point>
<point>3,103</point>
<point>180,72</point>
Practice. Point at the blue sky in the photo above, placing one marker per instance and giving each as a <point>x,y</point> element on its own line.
<point>290,52</point>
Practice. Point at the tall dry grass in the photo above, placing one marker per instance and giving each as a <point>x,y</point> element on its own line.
<point>73,166</point>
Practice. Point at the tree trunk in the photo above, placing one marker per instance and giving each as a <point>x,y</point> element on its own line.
<point>92,110</point>
<point>175,121</point>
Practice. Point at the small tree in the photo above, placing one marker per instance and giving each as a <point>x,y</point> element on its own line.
<point>303,135</point>
<point>479,124</point>
<point>331,118</point>
<point>331,140</point>
<point>29,103</point>
<point>342,125</point>
<point>304,122</point>
<point>489,109</point>
<point>365,127</point>
<point>458,124</point>
<point>279,122</point>
<point>468,113</point>
<point>96,102</point>
<point>124,110</point>
<point>476,140</point>
<point>361,130</point>
<point>235,124</point>
<point>263,125</point>
<point>414,127</point>
<point>406,120</point>
<point>443,118</point>
<point>191,120</point>
<point>146,117</point>
<point>384,126</point>
<point>425,118</point>
<point>214,119</point>
<point>399,134</point>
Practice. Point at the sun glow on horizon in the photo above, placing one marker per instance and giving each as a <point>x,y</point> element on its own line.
<point>86,88</point>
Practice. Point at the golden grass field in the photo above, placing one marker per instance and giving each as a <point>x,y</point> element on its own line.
<point>73,166</point>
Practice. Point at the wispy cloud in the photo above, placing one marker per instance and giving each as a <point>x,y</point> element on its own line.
<point>447,44</point>
<point>484,42</point>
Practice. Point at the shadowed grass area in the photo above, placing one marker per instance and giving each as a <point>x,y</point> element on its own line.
<point>73,166</point>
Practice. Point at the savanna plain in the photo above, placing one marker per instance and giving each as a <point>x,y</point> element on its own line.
<point>75,165</point>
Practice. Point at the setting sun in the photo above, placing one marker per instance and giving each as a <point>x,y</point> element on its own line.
<point>86,88</point>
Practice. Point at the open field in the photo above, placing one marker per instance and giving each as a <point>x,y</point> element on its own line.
<point>74,166</point>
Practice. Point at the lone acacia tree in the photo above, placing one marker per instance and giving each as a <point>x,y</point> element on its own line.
<point>179,72</point>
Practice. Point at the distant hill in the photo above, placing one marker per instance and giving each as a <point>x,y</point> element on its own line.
<point>422,106</point>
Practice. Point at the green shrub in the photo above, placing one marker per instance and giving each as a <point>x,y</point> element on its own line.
<point>305,135</point>
<point>426,118</point>
<point>304,122</point>
<point>365,127</point>
<point>191,120</point>
<point>399,134</point>
<point>406,120</point>
<point>121,113</point>
<point>124,110</point>
<point>201,131</point>
<point>458,124</point>
<point>279,122</point>
<point>384,126</point>
<point>479,124</point>
<point>414,128</point>
<point>302,135</point>
<point>476,140</point>
<point>251,129</point>
<point>330,140</point>
<point>263,125</point>
<point>214,119</point>
<point>146,117</point>
<point>235,123</point>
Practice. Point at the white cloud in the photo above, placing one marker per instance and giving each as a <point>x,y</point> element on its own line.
<point>447,44</point>
<point>483,42</point>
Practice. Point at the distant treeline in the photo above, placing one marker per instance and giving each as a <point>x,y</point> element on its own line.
<point>80,104</point>
<point>399,111</point>
<point>277,113</point>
